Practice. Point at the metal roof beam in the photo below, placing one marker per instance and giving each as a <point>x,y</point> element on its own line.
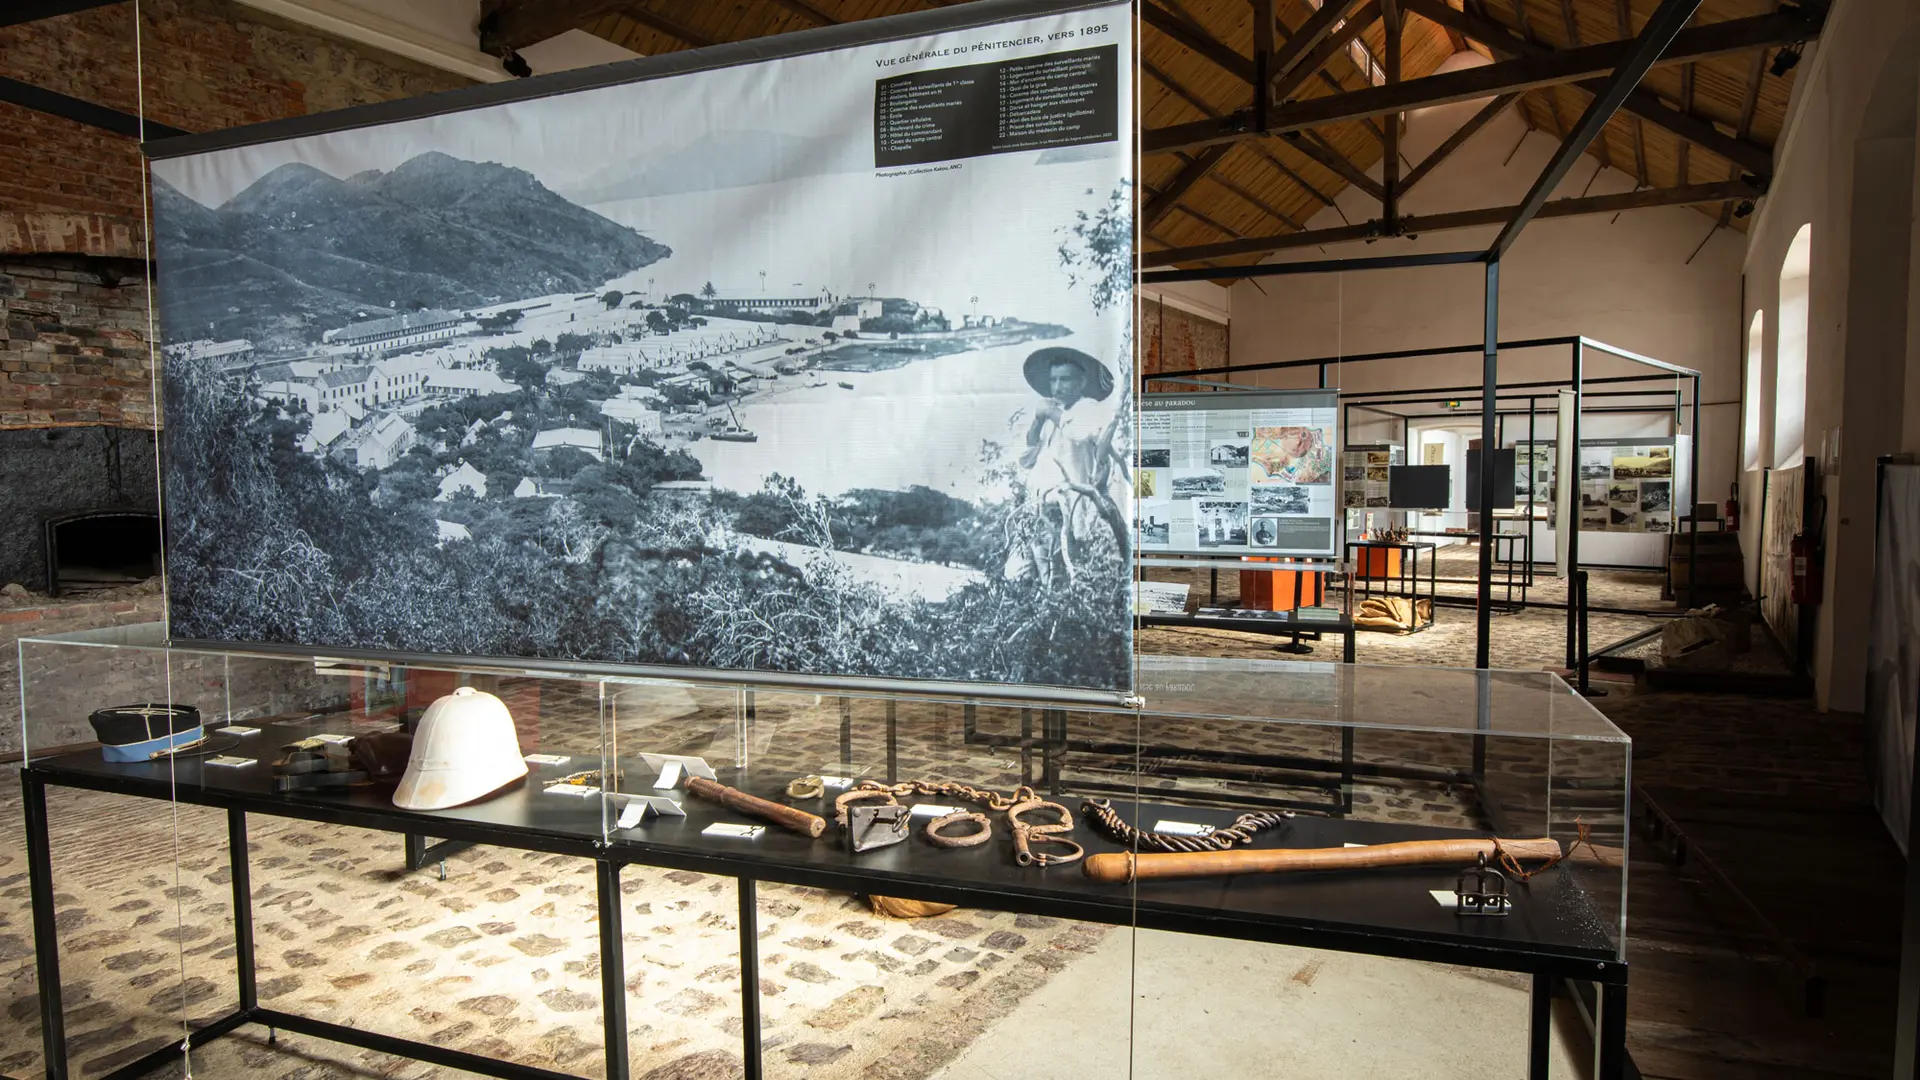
<point>1688,195</point>
<point>1668,21</point>
<point>1524,73</point>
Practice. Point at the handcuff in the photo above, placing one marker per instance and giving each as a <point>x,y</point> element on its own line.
<point>1025,836</point>
<point>938,838</point>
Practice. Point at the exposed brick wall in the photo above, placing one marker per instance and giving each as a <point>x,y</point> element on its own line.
<point>208,64</point>
<point>73,351</point>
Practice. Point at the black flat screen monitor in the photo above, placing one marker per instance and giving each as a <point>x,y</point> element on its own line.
<point>1502,479</point>
<point>1418,487</point>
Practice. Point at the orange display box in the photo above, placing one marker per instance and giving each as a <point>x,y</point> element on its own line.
<point>1376,563</point>
<point>1273,590</point>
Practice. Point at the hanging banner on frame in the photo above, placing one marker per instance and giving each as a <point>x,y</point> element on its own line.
<point>815,363</point>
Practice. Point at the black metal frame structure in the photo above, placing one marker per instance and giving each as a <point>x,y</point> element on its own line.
<point>1637,57</point>
<point>1684,407</point>
<point>1407,579</point>
<point>1545,963</point>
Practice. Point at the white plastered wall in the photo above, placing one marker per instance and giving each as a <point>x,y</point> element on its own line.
<point>1846,168</point>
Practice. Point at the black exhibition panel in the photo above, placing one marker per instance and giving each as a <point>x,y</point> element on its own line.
<point>1503,466</point>
<point>1419,487</point>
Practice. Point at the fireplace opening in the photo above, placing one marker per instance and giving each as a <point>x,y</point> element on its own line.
<point>101,549</point>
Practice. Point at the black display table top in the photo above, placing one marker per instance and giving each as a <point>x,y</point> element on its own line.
<point>1555,927</point>
<point>1275,622</point>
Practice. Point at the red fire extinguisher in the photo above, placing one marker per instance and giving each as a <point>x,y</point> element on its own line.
<point>1805,556</point>
<point>1733,508</point>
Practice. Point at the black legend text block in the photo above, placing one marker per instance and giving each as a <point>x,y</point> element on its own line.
<point>1062,99</point>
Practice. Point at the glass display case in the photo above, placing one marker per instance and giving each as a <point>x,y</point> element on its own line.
<point>535,873</point>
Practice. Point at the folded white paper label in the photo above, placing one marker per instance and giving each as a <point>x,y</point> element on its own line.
<point>1182,828</point>
<point>737,832</point>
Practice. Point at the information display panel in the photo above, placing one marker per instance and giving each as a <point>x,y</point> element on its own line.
<point>1252,473</point>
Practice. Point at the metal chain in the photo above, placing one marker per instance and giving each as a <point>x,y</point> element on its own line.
<point>992,800</point>
<point>1242,831</point>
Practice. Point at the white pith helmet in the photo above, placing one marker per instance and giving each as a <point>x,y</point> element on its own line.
<point>464,750</point>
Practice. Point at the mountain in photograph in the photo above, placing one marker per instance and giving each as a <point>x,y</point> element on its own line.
<point>717,161</point>
<point>302,251</point>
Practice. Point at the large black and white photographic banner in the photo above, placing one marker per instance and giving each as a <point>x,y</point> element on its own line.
<point>1240,473</point>
<point>814,364</point>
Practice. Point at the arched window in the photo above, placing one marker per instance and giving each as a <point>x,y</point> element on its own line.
<point>1750,409</point>
<point>1790,363</point>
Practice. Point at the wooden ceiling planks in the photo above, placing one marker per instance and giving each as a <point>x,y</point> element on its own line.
<point>1269,185</point>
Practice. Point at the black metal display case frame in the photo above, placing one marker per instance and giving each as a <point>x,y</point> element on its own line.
<point>1555,934</point>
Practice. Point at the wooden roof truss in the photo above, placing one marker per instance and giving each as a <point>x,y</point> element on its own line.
<point>1256,114</point>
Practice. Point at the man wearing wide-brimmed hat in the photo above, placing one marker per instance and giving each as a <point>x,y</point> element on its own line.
<point>1072,460</point>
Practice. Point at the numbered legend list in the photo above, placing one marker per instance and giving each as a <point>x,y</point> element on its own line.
<point>1034,103</point>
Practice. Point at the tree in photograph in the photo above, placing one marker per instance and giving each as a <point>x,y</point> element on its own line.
<point>500,323</point>
<point>611,298</point>
<point>519,366</point>
<point>657,321</point>
<point>708,291</point>
<point>1098,250</point>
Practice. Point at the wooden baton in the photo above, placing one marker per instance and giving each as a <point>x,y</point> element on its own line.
<point>1127,866</point>
<point>786,817</point>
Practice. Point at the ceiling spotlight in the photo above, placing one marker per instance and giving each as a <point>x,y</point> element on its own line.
<point>1784,60</point>
<point>514,64</point>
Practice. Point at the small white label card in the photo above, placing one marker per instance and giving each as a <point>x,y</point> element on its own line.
<point>631,816</point>
<point>931,810</point>
<point>579,791</point>
<point>736,832</point>
<point>547,759</point>
<point>336,739</point>
<point>669,777</point>
<point>229,762</point>
<point>236,729</point>
<point>661,805</point>
<point>692,766</point>
<point>1446,898</point>
<point>836,781</point>
<point>1182,828</point>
